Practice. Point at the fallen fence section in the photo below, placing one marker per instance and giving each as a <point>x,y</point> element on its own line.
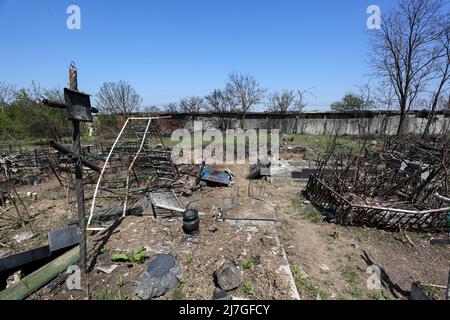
<point>340,210</point>
<point>137,163</point>
<point>385,186</point>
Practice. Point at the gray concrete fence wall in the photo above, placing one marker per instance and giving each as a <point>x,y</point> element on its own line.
<point>373,123</point>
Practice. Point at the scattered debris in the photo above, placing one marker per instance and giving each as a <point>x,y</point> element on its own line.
<point>229,276</point>
<point>14,278</point>
<point>165,198</point>
<point>324,267</point>
<point>107,270</point>
<point>422,291</point>
<point>373,188</point>
<point>24,236</point>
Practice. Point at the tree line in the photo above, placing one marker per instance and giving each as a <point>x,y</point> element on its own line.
<point>409,58</point>
<point>241,94</point>
<point>22,116</point>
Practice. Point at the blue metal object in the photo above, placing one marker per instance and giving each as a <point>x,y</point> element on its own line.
<point>219,177</point>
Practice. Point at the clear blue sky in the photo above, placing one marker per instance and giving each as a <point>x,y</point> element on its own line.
<point>172,49</point>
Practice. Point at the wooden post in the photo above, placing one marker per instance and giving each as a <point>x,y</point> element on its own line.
<point>76,148</point>
<point>40,277</point>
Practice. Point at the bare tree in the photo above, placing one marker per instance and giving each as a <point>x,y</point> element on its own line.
<point>220,101</point>
<point>286,101</point>
<point>245,91</point>
<point>300,103</point>
<point>151,109</point>
<point>118,99</point>
<point>442,71</point>
<point>384,96</point>
<point>283,102</point>
<point>404,51</point>
<point>192,105</point>
<point>170,107</point>
<point>7,92</point>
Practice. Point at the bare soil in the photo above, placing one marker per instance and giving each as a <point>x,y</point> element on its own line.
<point>327,261</point>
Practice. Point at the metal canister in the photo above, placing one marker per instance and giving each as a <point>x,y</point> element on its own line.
<point>191,222</point>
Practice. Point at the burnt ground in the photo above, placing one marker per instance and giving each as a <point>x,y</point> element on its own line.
<point>327,261</point>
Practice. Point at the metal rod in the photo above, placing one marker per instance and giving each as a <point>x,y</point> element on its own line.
<point>133,162</point>
<point>401,210</point>
<point>103,172</point>
<point>61,105</point>
<point>54,104</point>
<point>66,151</point>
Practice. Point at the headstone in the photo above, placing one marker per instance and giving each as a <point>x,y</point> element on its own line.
<point>160,276</point>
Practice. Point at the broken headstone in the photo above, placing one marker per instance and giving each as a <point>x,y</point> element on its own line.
<point>229,276</point>
<point>160,276</point>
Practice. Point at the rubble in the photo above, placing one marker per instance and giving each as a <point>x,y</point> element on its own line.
<point>18,238</point>
<point>228,276</point>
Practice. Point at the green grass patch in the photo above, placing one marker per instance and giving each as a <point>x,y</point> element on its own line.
<point>137,256</point>
<point>249,290</point>
<point>104,249</point>
<point>378,295</point>
<point>15,224</point>
<point>307,287</point>
<point>110,295</point>
<point>248,264</point>
<point>178,294</point>
<point>307,211</point>
<point>320,143</point>
<point>351,277</point>
<point>336,234</point>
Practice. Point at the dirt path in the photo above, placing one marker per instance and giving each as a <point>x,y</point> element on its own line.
<point>331,261</point>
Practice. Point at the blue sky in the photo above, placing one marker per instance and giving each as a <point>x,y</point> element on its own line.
<point>170,49</point>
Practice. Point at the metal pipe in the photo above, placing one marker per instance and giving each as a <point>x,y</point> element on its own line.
<point>54,104</point>
<point>130,168</point>
<point>59,147</point>
<point>401,210</point>
<point>103,172</point>
<point>61,105</point>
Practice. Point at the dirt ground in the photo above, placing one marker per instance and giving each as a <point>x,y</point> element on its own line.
<point>327,261</point>
<point>198,256</point>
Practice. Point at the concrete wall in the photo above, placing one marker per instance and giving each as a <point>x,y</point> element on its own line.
<point>319,123</point>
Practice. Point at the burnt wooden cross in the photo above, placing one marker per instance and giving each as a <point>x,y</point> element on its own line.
<point>78,106</point>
